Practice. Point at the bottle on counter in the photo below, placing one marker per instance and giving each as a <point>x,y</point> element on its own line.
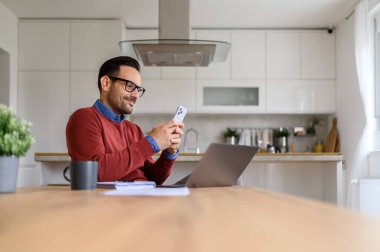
<point>293,147</point>
<point>318,147</point>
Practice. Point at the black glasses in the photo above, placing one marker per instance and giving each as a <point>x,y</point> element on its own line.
<point>130,86</point>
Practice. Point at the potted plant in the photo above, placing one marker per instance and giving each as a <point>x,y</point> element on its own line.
<point>281,132</point>
<point>15,141</point>
<point>281,139</point>
<point>313,122</point>
<point>231,136</point>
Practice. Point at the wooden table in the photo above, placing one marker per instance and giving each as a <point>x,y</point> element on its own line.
<point>209,219</point>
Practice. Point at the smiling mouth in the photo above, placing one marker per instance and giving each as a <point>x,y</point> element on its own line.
<point>131,102</point>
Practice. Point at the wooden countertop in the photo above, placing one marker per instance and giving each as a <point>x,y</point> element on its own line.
<point>194,157</point>
<point>209,219</point>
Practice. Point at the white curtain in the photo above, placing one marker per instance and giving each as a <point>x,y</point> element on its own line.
<point>364,55</point>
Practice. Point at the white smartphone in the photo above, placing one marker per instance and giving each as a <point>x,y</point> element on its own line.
<point>180,114</point>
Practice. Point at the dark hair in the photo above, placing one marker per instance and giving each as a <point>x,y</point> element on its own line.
<point>112,66</point>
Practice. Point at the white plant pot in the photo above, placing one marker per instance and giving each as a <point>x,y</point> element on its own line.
<point>8,173</point>
<point>231,140</point>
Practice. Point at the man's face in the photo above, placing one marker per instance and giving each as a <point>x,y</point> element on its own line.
<point>117,98</point>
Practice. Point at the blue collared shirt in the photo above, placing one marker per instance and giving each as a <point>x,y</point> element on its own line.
<point>107,112</point>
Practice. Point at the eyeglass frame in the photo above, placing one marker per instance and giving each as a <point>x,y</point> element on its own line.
<point>139,89</point>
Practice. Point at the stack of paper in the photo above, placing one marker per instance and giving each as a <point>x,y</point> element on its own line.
<point>142,188</point>
<point>120,185</point>
<point>158,191</point>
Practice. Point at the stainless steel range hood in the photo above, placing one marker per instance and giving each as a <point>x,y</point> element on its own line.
<point>174,48</point>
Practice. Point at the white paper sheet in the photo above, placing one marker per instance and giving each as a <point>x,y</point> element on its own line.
<point>120,185</point>
<point>179,191</point>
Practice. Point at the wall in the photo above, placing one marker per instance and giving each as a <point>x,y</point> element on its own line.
<point>210,128</point>
<point>9,58</point>
<point>4,77</point>
<point>8,43</point>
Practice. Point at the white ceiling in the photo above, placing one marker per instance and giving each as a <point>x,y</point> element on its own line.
<point>204,13</point>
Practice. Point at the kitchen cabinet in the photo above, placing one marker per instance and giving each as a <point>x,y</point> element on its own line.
<point>58,68</point>
<point>214,96</point>
<point>220,70</point>
<point>300,72</point>
<point>286,71</point>
<point>83,82</point>
<point>64,45</point>
<point>43,99</point>
<point>318,55</point>
<point>300,55</point>
<point>93,42</point>
<point>178,72</point>
<point>300,96</point>
<point>248,55</point>
<point>164,96</point>
<point>44,45</point>
<point>283,55</point>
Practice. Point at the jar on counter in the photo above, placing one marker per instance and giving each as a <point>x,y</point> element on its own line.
<point>318,147</point>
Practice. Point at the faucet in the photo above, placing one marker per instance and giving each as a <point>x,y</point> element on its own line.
<point>191,148</point>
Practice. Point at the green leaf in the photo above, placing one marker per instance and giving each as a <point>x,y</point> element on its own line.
<point>15,135</point>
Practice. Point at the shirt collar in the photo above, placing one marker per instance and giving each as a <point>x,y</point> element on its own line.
<point>107,112</point>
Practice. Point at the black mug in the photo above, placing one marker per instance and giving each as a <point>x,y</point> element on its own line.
<point>83,175</point>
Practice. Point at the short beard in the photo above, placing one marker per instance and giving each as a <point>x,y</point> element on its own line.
<point>128,109</point>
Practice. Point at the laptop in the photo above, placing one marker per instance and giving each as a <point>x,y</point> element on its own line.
<point>221,165</point>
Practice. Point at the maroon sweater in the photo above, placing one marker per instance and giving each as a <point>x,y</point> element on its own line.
<point>121,149</point>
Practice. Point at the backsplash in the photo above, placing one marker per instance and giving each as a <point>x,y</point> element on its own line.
<point>210,128</point>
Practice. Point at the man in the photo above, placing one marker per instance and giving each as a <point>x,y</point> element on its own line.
<point>102,134</point>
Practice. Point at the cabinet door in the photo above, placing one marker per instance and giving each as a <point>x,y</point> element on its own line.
<point>220,70</point>
<point>94,42</point>
<point>164,96</point>
<point>284,55</point>
<point>301,96</point>
<point>230,96</point>
<point>248,55</point>
<point>318,55</point>
<point>83,89</point>
<point>44,45</point>
<point>146,72</point>
<point>43,99</point>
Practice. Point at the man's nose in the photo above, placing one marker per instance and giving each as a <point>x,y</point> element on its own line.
<point>135,93</point>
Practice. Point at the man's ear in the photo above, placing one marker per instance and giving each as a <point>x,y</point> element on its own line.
<point>105,83</point>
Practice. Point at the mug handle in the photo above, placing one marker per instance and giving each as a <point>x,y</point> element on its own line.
<point>64,173</point>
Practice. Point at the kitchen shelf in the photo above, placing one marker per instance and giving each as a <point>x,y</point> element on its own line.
<point>305,135</point>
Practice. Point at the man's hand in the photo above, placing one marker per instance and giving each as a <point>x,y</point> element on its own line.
<point>176,140</point>
<point>168,135</point>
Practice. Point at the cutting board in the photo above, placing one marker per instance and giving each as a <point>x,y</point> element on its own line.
<point>333,143</point>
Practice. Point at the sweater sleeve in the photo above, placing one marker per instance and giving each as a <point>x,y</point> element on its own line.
<point>160,170</point>
<point>85,141</point>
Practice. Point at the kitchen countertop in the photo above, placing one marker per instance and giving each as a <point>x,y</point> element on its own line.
<point>51,166</point>
<point>194,157</point>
